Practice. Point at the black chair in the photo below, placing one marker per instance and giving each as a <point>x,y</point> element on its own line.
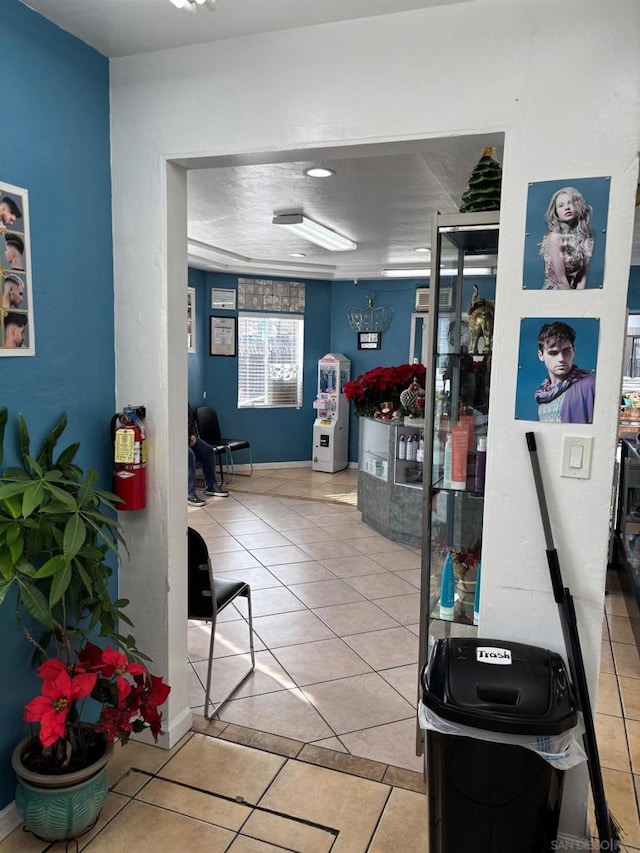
<point>207,596</point>
<point>209,431</point>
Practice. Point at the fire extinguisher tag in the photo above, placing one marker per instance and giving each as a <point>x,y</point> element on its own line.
<point>143,451</point>
<point>125,446</point>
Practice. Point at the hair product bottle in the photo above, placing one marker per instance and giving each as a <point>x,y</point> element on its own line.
<point>481,464</point>
<point>447,464</point>
<point>459,447</point>
<point>447,588</point>
<point>476,597</point>
<point>402,446</point>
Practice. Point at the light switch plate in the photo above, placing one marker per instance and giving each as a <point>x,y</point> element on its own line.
<point>576,456</point>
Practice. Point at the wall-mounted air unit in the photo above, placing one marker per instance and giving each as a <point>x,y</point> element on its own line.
<point>423,298</point>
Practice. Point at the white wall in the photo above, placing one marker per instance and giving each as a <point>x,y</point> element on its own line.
<point>562,81</point>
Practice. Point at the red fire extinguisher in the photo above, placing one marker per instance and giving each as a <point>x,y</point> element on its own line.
<point>129,458</point>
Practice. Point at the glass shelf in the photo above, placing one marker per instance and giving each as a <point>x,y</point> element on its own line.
<point>457,384</point>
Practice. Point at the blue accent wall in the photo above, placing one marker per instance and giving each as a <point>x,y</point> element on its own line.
<point>399,294</point>
<point>276,435</point>
<point>55,144</point>
<point>197,360</point>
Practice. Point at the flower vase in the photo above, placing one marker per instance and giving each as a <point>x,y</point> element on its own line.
<point>60,807</point>
<point>465,573</point>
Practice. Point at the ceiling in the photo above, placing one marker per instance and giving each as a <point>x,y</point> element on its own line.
<point>382,197</point>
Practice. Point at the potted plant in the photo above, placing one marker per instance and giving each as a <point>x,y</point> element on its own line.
<point>56,531</point>
<point>382,387</point>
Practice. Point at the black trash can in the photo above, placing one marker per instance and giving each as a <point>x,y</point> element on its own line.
<point>487,796</point>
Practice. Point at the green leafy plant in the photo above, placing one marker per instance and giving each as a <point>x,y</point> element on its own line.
<point>56,532</point>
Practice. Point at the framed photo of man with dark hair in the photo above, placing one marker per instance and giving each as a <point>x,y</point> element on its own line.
<point>17,335</point>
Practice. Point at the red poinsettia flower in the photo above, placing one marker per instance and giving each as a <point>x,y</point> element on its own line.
<point>58,695</point>
<point>110,662</point>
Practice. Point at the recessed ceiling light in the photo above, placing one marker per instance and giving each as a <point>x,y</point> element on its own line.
<point>423,250</point>
<point>319,172</point>
<point>297,255</point>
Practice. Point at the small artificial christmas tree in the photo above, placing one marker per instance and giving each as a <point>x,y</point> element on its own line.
<point>483,188</point>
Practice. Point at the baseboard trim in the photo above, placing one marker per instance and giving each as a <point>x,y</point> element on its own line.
<point>9,820</point>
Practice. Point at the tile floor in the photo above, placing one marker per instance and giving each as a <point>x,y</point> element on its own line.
<point>316,753</point>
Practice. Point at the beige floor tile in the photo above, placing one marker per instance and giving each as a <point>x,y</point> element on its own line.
<point>412,576</point>
<point>621,801</point>
<point>325,593</point>
<point>620,629</point>
<point>627,659</point>
<point>341,760</point>
<point>351,805</point>
<point>329,550</point>
<point>269,539</point>
<point>195,804</point>
<point>246,526</point>
<point>277,744</point>
<point>223,768</point>
<point>301,573</point>
<point>614,604</point>
<point>332,743</point>
<point>375,544</point>
<point>284,523</point>
<point>257,576</point>
<point>392,743</point>
<point>269,600</point>
<point>606,658</point>
<point>222,545</point>
<point>359,616</point>
<point>405,609</point>
<point>633,736</point>
<point>385,585</point>
<point>232,638</point>
<point>288,834</point>
<point>358,702</point>
<point>630,689</point>
<point>287,629</point>
<point>267,677</point>
<point>132,783</point>
<point>350,533</point>
<point>326,660</point>
<point>148,829</point>
<point>279,556</point>
<point>287,712</point>
<point>234,561</point>
<point>405,679</point>
<point>385,649</point>
<point>612,743</point>
<point>403,825</point>
<point>347,567</point>
<point>308,534</point>
<point>142,756</point>
<point>608,695</point>
<point>399,561</point>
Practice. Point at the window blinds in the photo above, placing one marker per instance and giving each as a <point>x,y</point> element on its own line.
<point>270,348</point>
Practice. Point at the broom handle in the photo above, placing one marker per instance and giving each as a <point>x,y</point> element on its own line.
<point>569,624</point>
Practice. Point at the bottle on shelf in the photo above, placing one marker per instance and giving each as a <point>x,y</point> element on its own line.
<point>447,589</point>
<point>402,446</point>
<point>481,464</point>
<point>459,446</point>
<point>476,597</point>
<point>420,450</point>
<point>447,463</point>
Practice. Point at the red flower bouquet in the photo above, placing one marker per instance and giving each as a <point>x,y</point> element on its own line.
<point>380,385</point>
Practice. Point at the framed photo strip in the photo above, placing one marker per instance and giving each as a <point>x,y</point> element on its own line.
<point>17,333</point>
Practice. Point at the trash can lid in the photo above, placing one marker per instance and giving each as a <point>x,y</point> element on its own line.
<point>499,686</point>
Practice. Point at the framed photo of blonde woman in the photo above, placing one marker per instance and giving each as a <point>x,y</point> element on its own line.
<point>565,234</point>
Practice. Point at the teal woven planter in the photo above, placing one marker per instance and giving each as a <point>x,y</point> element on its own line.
<point>59,808</point>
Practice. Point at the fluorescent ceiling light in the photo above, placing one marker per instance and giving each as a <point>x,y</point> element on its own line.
<point>407,273</point>
<point>423,250</point>
<point>468,271</point>
<point>315,232</point>
<point>319,172</point>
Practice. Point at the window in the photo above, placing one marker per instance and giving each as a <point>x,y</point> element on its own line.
<point>269,360</point>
